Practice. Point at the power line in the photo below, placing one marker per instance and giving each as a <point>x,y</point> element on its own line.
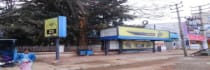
<point>177,9</point>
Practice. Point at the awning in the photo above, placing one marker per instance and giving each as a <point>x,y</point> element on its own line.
<point>133,38</point>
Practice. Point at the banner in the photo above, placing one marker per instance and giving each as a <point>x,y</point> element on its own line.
<point>184,29</point>
<point>137,44</point>
<point>141,32</point>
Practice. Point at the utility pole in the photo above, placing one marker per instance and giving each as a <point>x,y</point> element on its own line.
<point>177,8</point>
<point>200,9</point>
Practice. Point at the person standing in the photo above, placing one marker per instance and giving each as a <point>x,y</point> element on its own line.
<point>25,60</point>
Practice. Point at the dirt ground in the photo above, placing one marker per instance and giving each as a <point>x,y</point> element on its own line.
<point>147,65</point>
<point>170,60</point>
<point>181,63</point>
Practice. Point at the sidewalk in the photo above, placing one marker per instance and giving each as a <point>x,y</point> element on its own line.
<point>68,62</point>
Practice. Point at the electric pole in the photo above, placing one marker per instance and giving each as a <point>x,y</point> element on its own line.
<point>177,8</point>
<point>200,12</point>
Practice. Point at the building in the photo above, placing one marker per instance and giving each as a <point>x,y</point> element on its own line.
<point>123,38</point>
<point>194,35</point>
<point>172,27</point>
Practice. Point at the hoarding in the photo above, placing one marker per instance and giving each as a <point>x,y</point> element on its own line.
<point>109,32</point>
<point>196,37</point>
<point>55,27</point>
<point>137,44</point>
<point>51,27</point>
<point>141,32</point>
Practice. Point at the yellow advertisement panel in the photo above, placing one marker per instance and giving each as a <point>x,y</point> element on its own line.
<point>137,44</point>
<point>141,32</point>
<point>51,27</point>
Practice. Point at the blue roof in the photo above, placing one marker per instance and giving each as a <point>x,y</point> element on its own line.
<point>132,38</point>
<point>174,36</point>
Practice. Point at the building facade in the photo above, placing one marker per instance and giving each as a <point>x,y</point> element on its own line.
<point>172,27</point>
<point>124,38</point>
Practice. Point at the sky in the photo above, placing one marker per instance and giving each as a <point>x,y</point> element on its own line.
<point>170,17</point>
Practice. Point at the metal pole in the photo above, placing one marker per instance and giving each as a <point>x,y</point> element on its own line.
<point>153,49</point>
<point>204,43</point>
<point>154,27</point>
<point>106,48</point>
<point>120,46</point>
<point>181,32</point>
<point>57,49</point>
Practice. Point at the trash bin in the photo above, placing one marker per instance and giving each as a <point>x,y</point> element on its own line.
<point>89,52</point>
<point>82,52</point>
<point>85,52</point>
<point>61,48</point>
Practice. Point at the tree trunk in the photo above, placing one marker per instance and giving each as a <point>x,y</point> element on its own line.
<point>82,37</point>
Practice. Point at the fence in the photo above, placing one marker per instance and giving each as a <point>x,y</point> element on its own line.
<point>43,48</point>
<point>53,48</point>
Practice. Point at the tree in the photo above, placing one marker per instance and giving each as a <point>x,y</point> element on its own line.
<point>31,14</point>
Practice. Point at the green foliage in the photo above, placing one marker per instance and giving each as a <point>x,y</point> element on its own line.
<point>26,23</point>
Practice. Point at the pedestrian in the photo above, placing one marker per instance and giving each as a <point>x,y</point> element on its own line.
<point>159,48</point>
<point>25,60</point>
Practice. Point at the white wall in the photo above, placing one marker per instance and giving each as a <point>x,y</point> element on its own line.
<point>114,45</point>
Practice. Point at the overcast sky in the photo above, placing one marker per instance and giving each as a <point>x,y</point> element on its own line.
<point>171,17</point>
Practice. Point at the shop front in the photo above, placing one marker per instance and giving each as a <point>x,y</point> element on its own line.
<point>124,38</point>
<point>194,41</point>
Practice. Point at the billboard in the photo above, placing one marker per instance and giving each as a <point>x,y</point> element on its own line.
<point>51,27</point>
<point>196,37</point>
<point>108,32</point>
<point>141,32</point>
<point>55,27</point>
<point>137,44</point>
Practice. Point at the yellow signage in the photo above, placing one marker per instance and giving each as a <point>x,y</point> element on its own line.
<point>141,32</point>
<point>51,27</point>
<point>137,44</point>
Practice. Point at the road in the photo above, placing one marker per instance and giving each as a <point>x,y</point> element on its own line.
<point>180,63</point>
<point>171,60</point>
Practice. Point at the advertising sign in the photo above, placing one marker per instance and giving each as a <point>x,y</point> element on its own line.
<point>141,32</point>
<point>137,44</point>
<point>55,27</point>
<point>51,27</point>
<point>196,37</point>
<point>108,32</point>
